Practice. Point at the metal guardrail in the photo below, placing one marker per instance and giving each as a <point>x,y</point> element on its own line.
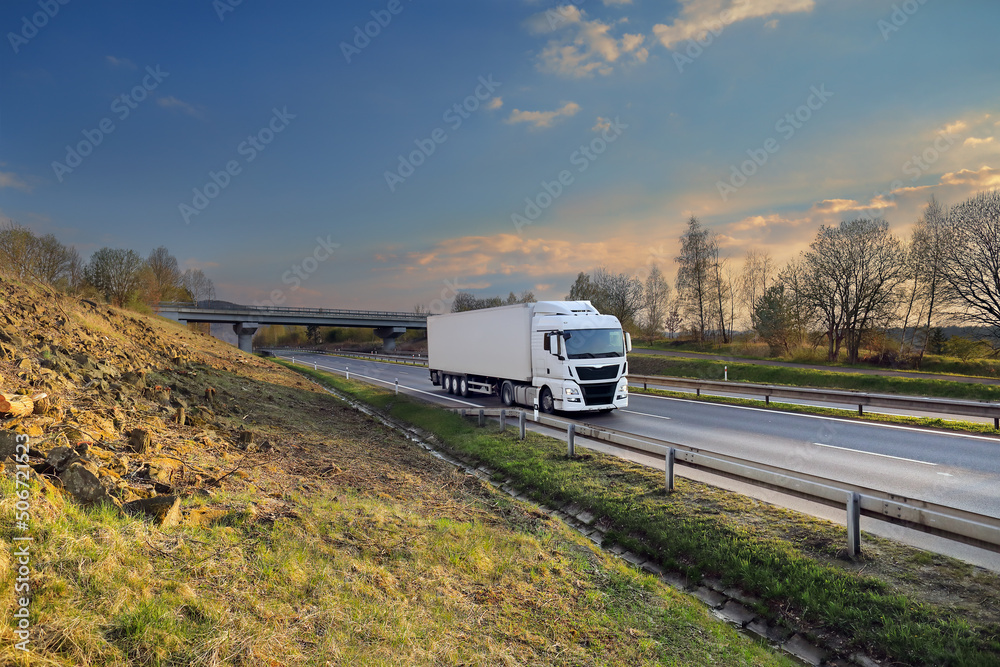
<point>958,525</point>
<point>860,399</point>
<point>396,358</point>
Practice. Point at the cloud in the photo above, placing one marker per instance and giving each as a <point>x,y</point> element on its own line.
<point>495,103</point>
<point>540,119</point>
<point>583,46</point>
<point>976,141</point>
<point>699,17</point>
<point>9,179</point>
<point>171,102</point>
<point>120,62</point>
<point>982,178</point>
<point>601,124</point>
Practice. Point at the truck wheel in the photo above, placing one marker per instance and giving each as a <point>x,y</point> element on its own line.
<point>463,386</point>
<point>545,401</point>
<point>448,384</point>
<point>507,393</point>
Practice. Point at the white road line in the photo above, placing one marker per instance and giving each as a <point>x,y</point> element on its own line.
<point>644,414</point>
<point>391,384</point>
<point>885,456</point>
<point>833,419</point>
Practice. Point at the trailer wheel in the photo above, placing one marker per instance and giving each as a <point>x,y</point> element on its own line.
<point>449,385</point>
<point>463,386</point>
<point>545,401</point>
<point>507,393</point>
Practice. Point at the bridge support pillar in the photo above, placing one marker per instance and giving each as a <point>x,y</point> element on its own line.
<point>245,331</point>
<point>389,336</point>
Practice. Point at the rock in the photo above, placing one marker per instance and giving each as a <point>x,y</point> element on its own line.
<point>84,485</point>
<point>8,444</point>
<point>165,510</point>
<point>205,517</point>
<point>59,458</point>
<point>162,470</point>
<point>140,442</point>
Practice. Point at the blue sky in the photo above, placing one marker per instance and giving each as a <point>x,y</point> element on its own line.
<point>647,110</point>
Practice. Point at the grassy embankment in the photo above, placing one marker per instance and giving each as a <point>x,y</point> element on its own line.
<point>901,603</point>
<point>931,363</point>
<point>346,544</point>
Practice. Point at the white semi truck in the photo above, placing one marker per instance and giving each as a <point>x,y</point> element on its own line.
<point>563,354</point>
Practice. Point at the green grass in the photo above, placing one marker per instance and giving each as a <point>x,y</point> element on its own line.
<point>395,559</point>
<point>713,538</point>
<point>706,369</point>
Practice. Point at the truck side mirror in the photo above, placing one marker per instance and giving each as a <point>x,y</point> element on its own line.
<point>628,342</point>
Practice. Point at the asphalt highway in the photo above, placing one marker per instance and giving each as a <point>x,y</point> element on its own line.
<point>958,470</point>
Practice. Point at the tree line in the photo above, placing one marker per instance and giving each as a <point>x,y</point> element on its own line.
<point>122,277</point>
<point>856,283</point>
<point>857,280</point>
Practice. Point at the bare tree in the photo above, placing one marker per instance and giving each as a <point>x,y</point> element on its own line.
<point>617,294</point>
<point>18,247</point>
<point>698,249</point>
<point>655,297</point>
<point>931,237</point>
<point>165,277</point>
<point>197,285</point>
<point>115,273</point>
<point>971,259</point>
<point>583,289</point>
<point>851,276</point>
<point>755,277</point>
<point>721,285</point>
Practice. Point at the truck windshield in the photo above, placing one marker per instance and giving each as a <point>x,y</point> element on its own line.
<point>594,343</point>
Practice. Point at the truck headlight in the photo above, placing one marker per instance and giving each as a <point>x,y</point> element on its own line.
<point>572,391</point>
<point>622,390</point>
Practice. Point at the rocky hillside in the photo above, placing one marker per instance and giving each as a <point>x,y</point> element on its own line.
<point>119,407</point>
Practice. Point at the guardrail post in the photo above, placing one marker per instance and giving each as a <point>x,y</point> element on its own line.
<point>521,419</point>
<point>996,423</point>
<point>482,418</point>
<point>503,419</point>
<point>348,370</point>
<point>697,391</point>
<point>571,440</point>
<point>293,360</point>
<point>854,524</point>
<point>669,469</point>
<point>397,386</point>
<point>314,366</point>
<point>861,410</point>
<point>767,399</point>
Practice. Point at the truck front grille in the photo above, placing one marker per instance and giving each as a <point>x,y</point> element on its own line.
<point>598,372</point>
<point>599,394</point>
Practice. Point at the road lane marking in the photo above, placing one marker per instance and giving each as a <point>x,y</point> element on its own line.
<point>392,384</point>
<point>885,456</point>
<point>842,420</point>
<point>945,474</point>
<point>644,414</point>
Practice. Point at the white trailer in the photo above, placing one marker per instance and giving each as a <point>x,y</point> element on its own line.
<point>564,355</point>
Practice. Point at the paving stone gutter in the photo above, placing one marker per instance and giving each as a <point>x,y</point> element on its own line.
<point>725,603</point>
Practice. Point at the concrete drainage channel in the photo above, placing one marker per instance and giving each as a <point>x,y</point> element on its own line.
<point>727,604</point>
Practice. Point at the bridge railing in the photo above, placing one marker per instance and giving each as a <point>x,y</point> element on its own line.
<point>280,310</point>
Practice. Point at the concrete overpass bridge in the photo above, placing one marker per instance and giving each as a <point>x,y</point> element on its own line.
<point>247,319</point>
